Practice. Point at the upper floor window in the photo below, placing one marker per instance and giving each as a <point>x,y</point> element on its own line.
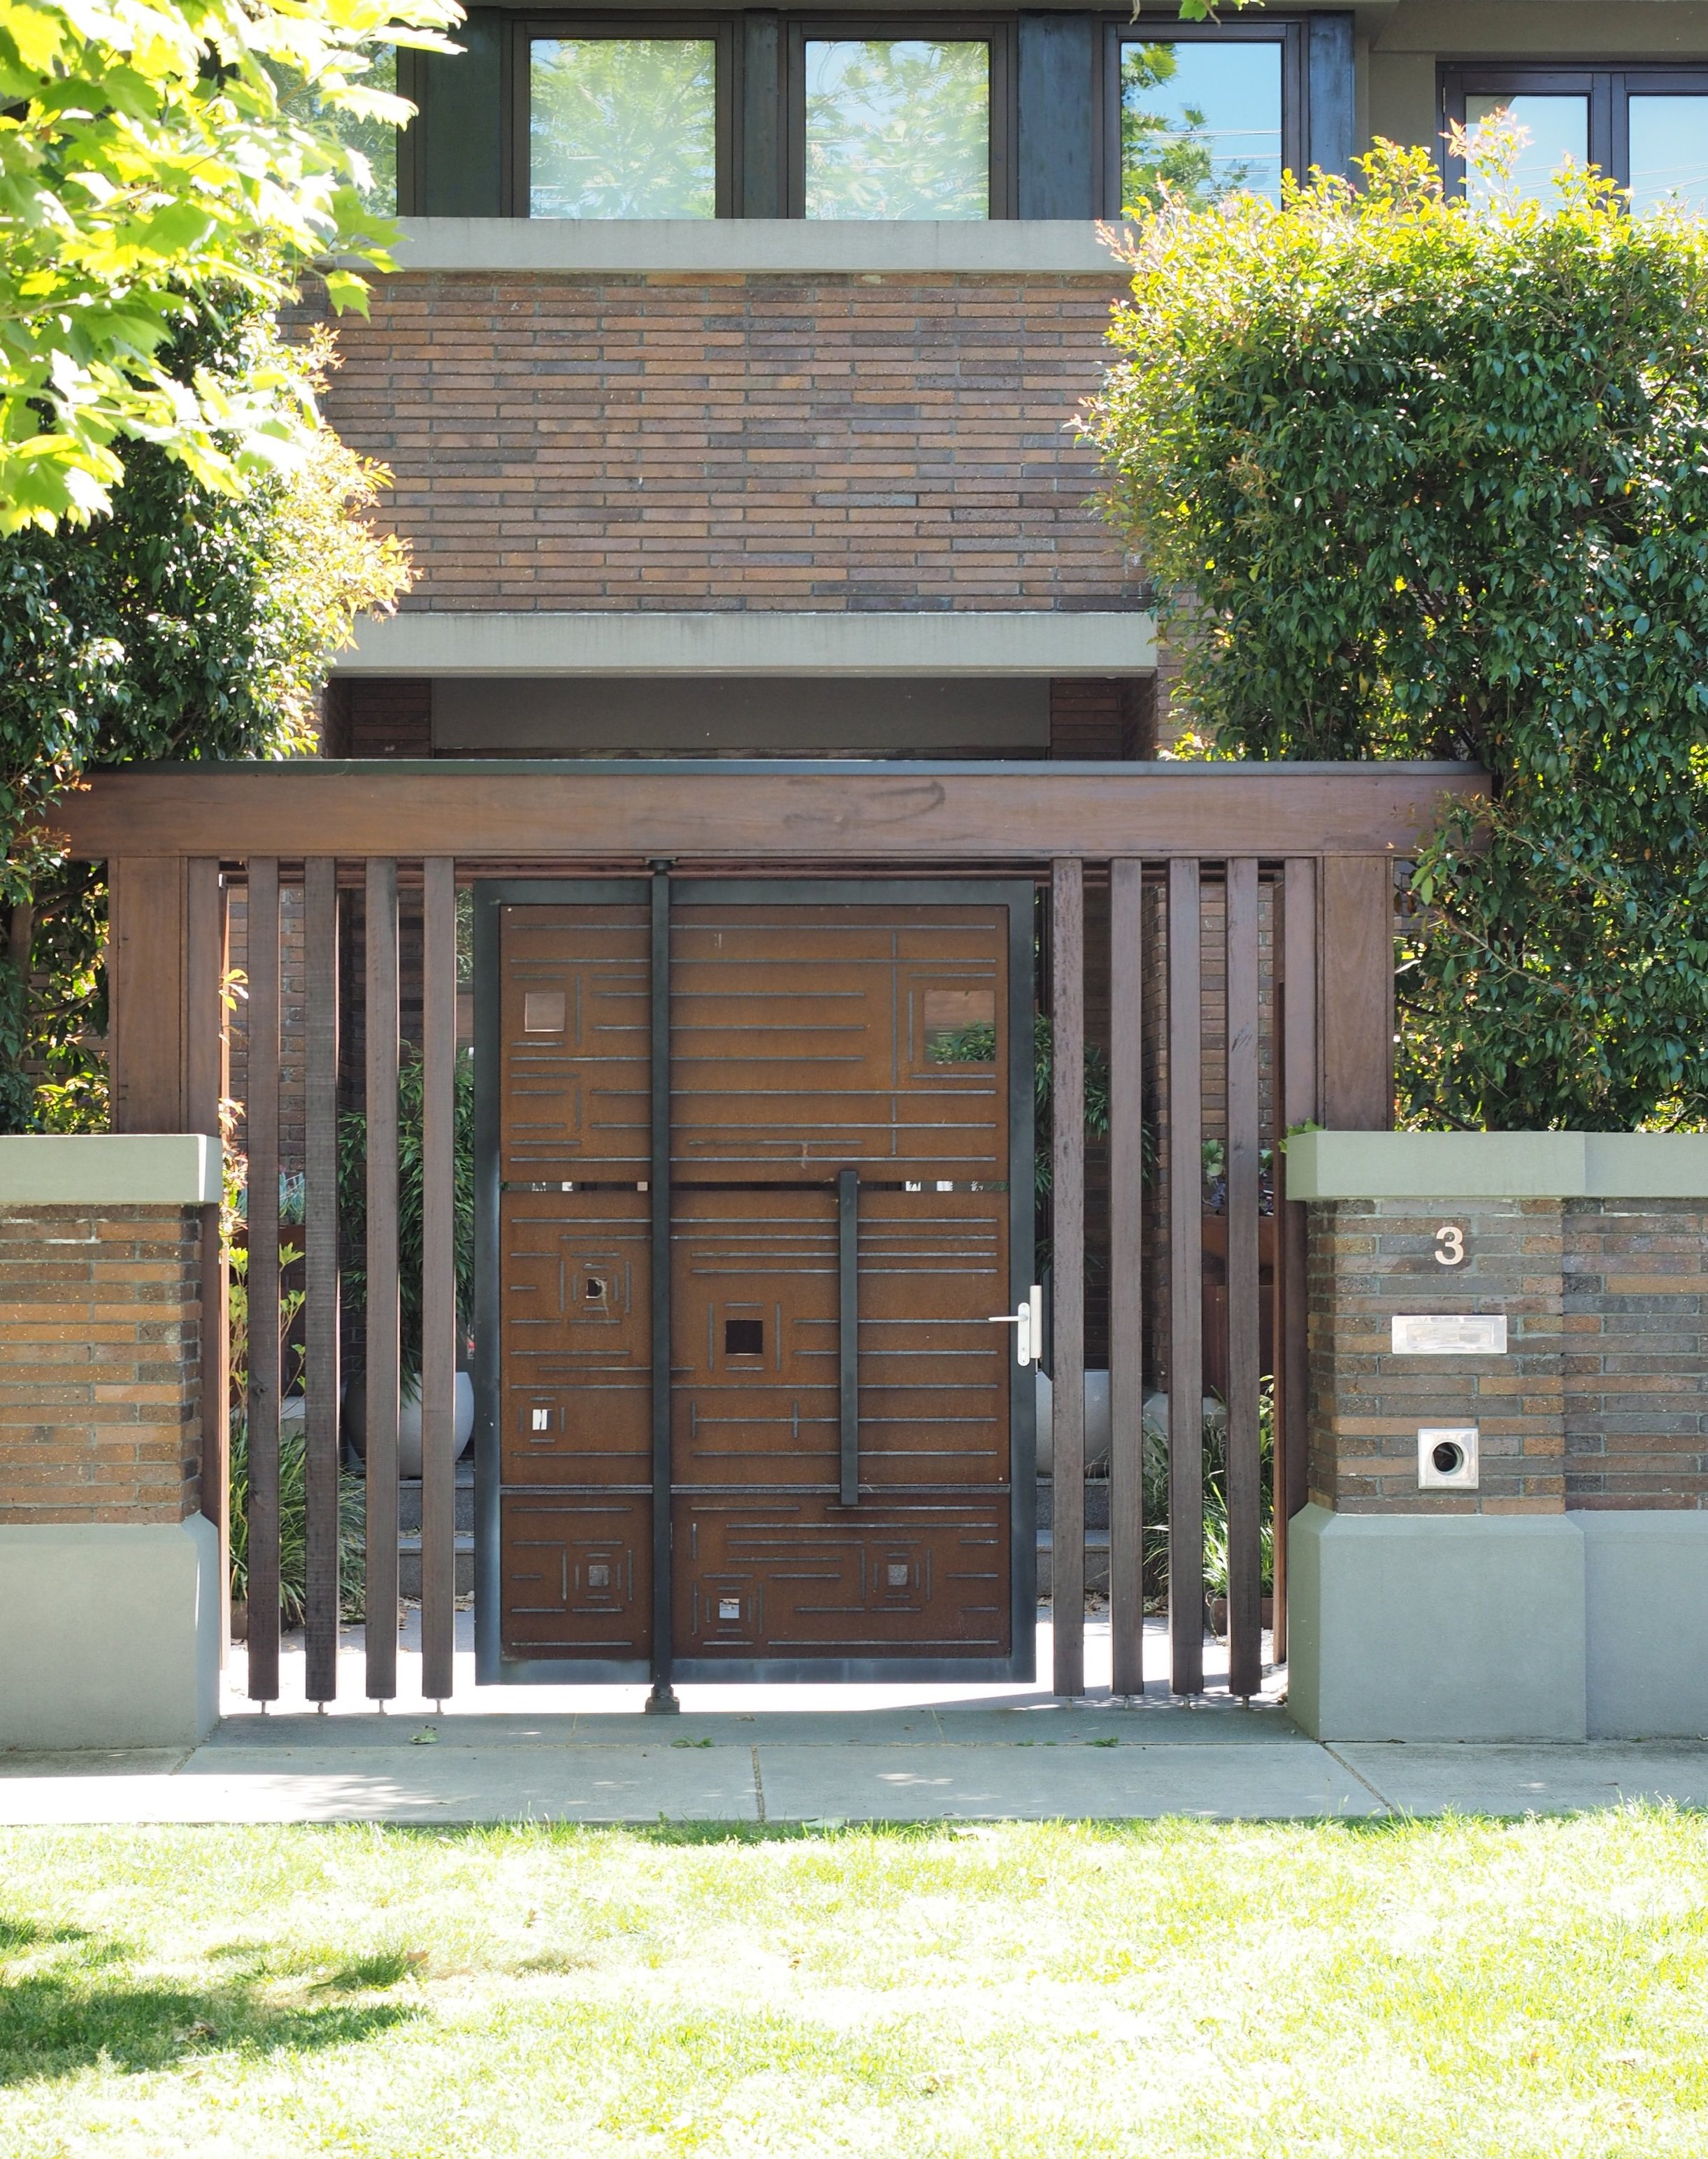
<point>1646,127</point>
<point>623,127</point>
<point>896,127</point>
<point>1203,116</point>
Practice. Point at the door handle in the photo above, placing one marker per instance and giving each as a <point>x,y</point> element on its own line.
<point>1028,1322</point>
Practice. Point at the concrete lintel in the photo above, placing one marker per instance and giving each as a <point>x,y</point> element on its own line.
<point>493,643</point>
<point>109,1633</point>
<point>1437,1627</point>
<point>110,1169</point>
<point>1439,1166</point>
<point>755,246</point>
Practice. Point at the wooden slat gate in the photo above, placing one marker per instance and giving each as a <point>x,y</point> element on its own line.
<point>1247,917</point>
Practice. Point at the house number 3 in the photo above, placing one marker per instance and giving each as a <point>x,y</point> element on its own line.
<point>1450,1246</point>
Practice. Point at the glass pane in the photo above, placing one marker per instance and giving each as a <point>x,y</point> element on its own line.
<point>1669,152</point>
<point>376,139</point>
<point>1555,128</point>
<point>1204,118</point>
<point>898,127</point>
<point>622,127</point>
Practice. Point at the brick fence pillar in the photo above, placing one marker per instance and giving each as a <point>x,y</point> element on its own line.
<point>110,1590</point>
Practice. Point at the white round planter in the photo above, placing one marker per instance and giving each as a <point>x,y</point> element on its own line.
<point>355,1424</point>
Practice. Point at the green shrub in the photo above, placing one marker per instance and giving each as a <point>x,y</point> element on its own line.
<point>294,1527</point>
<point>1415,479</point>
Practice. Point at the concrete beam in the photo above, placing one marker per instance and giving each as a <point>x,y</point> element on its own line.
<point>438,642</point>
<point>756,247</point>
<point>110,1169</point>
<point>1497,1165</point>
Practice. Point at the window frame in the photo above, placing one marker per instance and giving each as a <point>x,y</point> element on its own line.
<point>1608,88</point>
<point>993,31</point>
<point>526,32</point>
<point>1288,32</point>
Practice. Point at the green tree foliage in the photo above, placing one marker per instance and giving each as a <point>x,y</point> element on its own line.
<point>1157,154</point>
<point>899,128</point>
<point>190,623</point>
<point>152,157</point>
<point>1417,480</point>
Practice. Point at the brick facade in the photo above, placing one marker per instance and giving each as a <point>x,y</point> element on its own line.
<point>1636,1352</point>
<point>824,443</point>
<point>1598,1402</point>
<point>100,1366</point>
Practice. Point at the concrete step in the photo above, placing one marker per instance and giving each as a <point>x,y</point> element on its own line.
<point>409,1499</point>
<point>409,1565</point>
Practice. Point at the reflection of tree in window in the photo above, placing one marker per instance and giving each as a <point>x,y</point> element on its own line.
<point>623,127</point>
<point>375,139</point>
<point>898,128</point>
<point>1202,122</point>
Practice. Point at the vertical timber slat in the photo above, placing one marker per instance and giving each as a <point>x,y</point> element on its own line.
<point>1244,1466</point>
<point>1126,1304</point>
<point>439,1289</point>
<point>1068,1266</point>
<point>263,1280</point>
<point>205,1087</point>
<point>1358,993</point>
<point>1186,1594</point>
<point>146,1058</point>
<point>380,930</point>
<point>1296,1004</point>
<point>320,1252</point>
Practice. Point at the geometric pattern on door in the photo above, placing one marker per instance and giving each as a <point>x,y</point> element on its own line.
<point>815,1033</point>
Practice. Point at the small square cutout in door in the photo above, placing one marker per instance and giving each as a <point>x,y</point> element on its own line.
<point>960,1026</point>
<point>744,1338</point>
<point>544,1012</point>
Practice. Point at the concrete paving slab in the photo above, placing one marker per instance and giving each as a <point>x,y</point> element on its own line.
<point>430,1784</point>
<point>1469,1778</point>
<point>91,1762</point>
<point>1122,1783</point>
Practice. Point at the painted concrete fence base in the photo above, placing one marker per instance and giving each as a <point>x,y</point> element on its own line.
<point>109,1633</point>
<point>1499,1627</point>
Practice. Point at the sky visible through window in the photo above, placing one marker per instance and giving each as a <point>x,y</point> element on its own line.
<point>1203,120</point>
<point>898,127</point>
<point>623,127</point>
<point>1557,127</point>
<point>1668,150</point>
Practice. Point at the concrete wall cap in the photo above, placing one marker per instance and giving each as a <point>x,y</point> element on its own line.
<point>110,1169</point>
<point>1446,1166</point>
<point>755,246</point>
<point>562,641</point>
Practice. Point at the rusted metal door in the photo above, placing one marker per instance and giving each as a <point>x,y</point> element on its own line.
<point>784,1130</point>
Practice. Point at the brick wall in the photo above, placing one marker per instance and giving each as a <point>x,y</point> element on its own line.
<point>1370,1259</point>
<point>100,1368</point>
<point>821,442</point>
<point>1600,1400</point>
<point>1636,1371</point>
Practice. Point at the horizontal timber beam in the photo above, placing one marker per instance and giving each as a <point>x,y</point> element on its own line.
<point>755,812</point>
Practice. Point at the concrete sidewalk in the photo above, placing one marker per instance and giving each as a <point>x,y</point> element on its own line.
<point>815,1755</point>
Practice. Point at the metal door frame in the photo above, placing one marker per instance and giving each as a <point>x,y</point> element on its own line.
<point>492,1666</point>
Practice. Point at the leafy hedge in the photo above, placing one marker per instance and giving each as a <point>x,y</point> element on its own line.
<point>1418,480</point>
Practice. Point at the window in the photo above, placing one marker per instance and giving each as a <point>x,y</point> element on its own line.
<point>896,127</point>
<point>622,126</point>
<point>1204,116</point>
<point>1647,127</point>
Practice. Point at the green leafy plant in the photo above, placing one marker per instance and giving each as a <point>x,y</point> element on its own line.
<point>191,623</point>
<point>293,1526</point>
<point>353,1203</point>
<point>1416,477</point>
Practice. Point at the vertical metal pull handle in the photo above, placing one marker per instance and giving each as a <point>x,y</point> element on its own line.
<point>848,1328</point>
<point>1027,1320</point>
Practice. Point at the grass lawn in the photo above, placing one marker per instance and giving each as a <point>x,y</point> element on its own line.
<point>1457,1988</point>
